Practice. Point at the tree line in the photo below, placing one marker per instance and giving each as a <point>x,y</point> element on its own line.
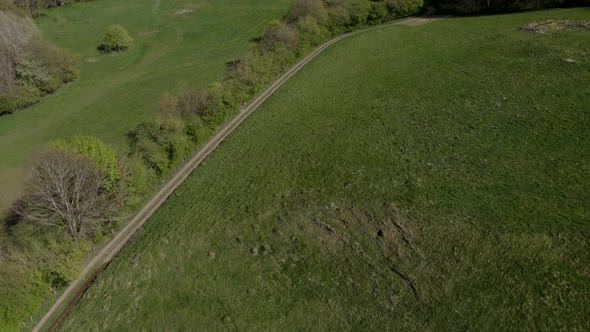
<point>495,6</point>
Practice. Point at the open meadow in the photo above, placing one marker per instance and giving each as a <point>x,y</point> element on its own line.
<point>430,177</point>
<point>175,41</point>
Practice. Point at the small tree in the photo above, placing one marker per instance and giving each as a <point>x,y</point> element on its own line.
<point>66,191</point>
<point>116,39</point>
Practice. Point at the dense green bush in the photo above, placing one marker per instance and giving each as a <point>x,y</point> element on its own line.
<point>311,33</point>
<point>136,179</point>
<point>278,37</point>
<point>116,38</point>
<point>30,67</point>
<point>33,264</point>
<point>338,19</point>
<point>302,8</point>
<point>405,7</point>
<point>102,155</point>
<point>358,15</point>
<point>377,13</point>
<point>163,143</point>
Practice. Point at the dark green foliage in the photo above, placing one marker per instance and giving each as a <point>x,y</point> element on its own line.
<point>136,180</point>
<point>404,8</point>
<point>32,266</point>
<point>311,33</point>
<point>377,13</point>
<point>163,143</point>
<point>338,19</point>
<point>358,15</point>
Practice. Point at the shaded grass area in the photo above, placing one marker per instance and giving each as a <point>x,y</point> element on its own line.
<point>174,41</point>
<point>427,177</point>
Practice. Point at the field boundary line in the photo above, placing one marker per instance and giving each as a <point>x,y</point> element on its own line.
<point>77,288</point>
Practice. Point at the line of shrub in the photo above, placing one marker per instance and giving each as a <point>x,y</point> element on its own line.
<point>36,260</point>
<point>188,115</point>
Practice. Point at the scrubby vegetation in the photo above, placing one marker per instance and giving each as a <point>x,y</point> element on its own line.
<point>69,203</point>
<point>30,67</point>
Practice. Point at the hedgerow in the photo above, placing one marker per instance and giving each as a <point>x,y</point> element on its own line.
<point>186,117</point>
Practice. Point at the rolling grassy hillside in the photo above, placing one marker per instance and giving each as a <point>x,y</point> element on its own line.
<point>174,41</point>
<point>424,177</point>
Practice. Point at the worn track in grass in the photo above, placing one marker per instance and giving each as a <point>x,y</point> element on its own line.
<point>75,291</point>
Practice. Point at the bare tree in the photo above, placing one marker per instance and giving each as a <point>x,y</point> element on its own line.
<point>15,35</point>
<point>66,192</point>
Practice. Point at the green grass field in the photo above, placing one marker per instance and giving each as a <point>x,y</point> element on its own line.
<point>429,177</point>
<point>174,41</point>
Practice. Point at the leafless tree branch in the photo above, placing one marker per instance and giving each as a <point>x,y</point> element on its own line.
<point>66,191</point>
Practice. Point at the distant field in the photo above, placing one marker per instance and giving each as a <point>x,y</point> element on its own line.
<point>429,177</point>
<point>174,40</point>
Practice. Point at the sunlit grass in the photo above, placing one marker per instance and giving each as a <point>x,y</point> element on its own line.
<point>430,177</point>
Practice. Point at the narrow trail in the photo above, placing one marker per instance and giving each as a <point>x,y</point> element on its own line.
<point>77,288</point>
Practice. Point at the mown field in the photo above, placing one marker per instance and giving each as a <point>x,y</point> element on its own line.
<point>174,41</point>
<point>411,177</point>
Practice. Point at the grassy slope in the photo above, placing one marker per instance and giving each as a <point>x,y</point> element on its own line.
<point>465,142</point>
<point>116,92</point>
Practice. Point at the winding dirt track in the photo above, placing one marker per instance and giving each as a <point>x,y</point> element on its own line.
<point>75,291</point>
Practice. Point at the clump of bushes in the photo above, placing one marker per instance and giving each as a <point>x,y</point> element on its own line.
<point>404,8</point>
<point>71,197</point>
<point>100,154</point>
<point>30,67</point>
<point>116,38</point>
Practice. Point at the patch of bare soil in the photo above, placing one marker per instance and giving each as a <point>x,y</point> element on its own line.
<point>421,20</point>
<point>551,25</point>
<point>183,11</point>
<point>147,33</point>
